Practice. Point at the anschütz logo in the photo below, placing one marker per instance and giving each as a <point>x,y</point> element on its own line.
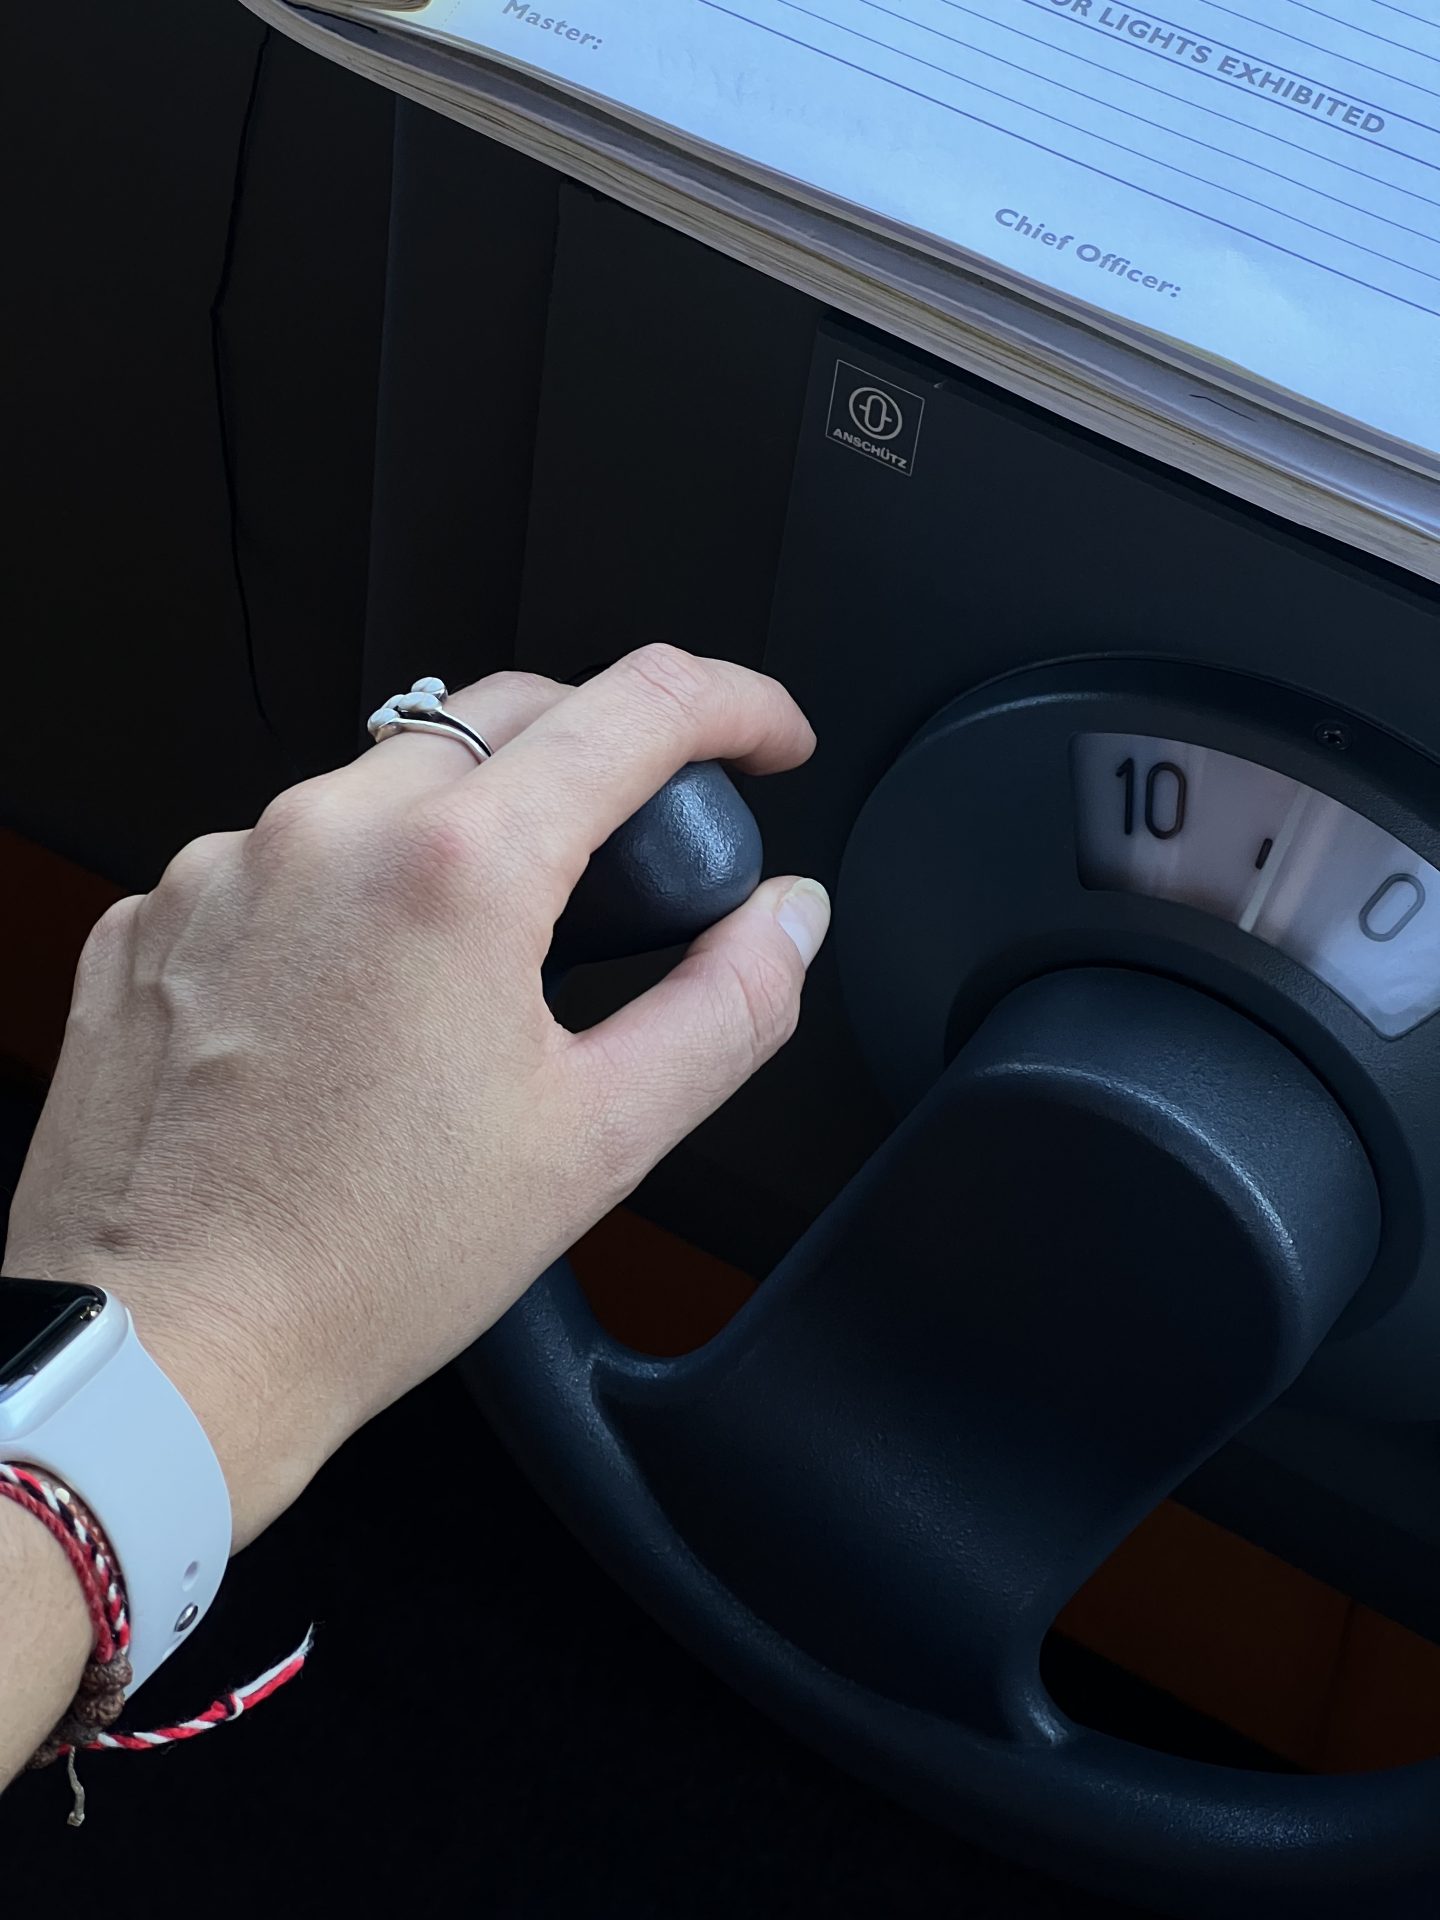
<point>874,417</point>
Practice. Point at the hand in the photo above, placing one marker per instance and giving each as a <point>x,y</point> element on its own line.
<point>313,1122</point>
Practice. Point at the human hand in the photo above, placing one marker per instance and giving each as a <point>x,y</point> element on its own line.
<point>313,1121</point>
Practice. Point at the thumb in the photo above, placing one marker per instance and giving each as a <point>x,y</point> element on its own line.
<point>659,1066</point>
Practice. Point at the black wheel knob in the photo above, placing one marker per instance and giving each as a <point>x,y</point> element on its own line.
<point>686,859</point>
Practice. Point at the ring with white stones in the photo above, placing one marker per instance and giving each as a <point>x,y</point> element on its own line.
<point>422,710</point>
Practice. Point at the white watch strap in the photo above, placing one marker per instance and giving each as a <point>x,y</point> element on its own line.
<point>129,1445</point>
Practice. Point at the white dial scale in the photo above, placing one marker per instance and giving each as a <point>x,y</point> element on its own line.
<point>1297,869</point>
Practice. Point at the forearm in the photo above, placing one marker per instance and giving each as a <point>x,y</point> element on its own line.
<point>44,1636</point>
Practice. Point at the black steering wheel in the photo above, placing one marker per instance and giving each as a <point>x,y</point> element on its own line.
<point>865,1501</point>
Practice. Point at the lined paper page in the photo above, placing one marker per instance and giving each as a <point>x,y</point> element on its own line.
<point>1259,180</point>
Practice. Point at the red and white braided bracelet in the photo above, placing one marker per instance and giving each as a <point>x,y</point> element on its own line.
<point>101,1695</point>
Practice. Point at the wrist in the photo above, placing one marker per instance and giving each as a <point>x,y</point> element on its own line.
<point>268,1436</point>
<point>270,1431</point>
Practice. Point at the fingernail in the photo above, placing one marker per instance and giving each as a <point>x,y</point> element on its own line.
<point>804,913</point>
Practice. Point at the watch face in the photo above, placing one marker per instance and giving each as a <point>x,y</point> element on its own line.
<point>37,1318</point>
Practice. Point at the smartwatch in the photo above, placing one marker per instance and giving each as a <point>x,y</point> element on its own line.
<point>82,1399</point>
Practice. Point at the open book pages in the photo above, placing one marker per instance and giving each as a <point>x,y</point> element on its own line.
<point>1215,234</point>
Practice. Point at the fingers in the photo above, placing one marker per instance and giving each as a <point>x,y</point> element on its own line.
<point>589,761</point>
<point>652,1072</point>
<point>409,765</point>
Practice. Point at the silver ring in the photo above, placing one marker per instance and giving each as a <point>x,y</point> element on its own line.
<point>422,710</point>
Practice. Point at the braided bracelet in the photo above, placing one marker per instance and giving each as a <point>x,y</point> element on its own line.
<point>100,1697</point>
